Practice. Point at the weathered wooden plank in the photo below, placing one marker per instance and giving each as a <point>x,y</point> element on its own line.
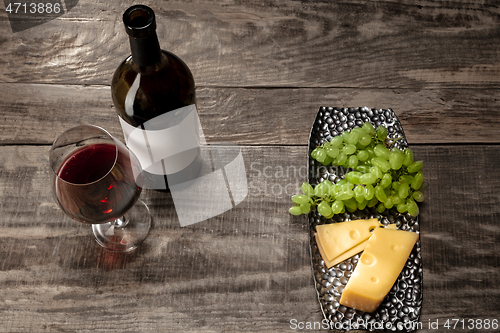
<point>36,113</point>
<point>268,44</point>
<point>460,233</point>
<point>247,269</point>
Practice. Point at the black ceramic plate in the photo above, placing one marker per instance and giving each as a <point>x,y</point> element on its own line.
<point>400,310</point>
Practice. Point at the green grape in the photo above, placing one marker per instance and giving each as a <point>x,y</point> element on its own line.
<point>363,168</point>
<point>412,208</point>
<point>406,179</point>
<point>349,149</point>
<point>314,153</point>
<point>381,151</point>
<point>295,210</point>
<point>388,203</point>
<point>417,181</point>
<point>381,163</point>
<point>396,159</point>
<point>362,204</point>
<point>336,142</point>
<point>320,155</point>
<point>370,152</point>
<point>397,150</point>
<point>365,140</point>
<point>359,147</point>
<point>362,155</point>
<point>396,185</point>
<point>351,205</point>
<point>333,190</point>
<point>369,192</point>
<point>368,178</point>
<point>359,193</point>
<point>321,190</point>
<point>345,136</point>
<point>415,166</point>
<point>307,189</point>
<point>341,159</point>
<point>358,130</point>
<point>337,206</point>
<point>352,161</point>
<point>376,171</point>
<point>418,196</point>
<point>368,128</point>
<point>395,199</point>
<point>386,180</point>
<point>300,198</point>
<point>343,181</point>
<point>353,177</point>
<point>345,192</point>
<point>381,208</point>
<point>380,193</point>
<point>327,182</point>
<point>353,138</point>
<point>402,207</point>
<point>324,209</point>
<point>408,157</point>
<point>373,201</point>
<point>381,132</point>
<point>328,160</point>
<point>305,208</point>
<point>332,151</point>
<point>403,191</point>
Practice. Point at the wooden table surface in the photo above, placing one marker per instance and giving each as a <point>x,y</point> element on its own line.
<point>262,70</point>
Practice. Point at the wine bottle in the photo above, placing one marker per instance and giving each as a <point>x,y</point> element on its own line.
<point>153,92</point>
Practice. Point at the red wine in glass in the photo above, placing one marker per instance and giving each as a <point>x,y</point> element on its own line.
<point>98,180</point>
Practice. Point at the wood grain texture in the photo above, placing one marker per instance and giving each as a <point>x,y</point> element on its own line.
<point>247,270</point>
<point>36,113</point>
<point>262,68</point>
<point>272,43</point>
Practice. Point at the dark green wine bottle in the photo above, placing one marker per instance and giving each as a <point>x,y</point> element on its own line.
<point>154,95</point>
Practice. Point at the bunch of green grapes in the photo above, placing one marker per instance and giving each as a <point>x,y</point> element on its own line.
<point>380,176</point>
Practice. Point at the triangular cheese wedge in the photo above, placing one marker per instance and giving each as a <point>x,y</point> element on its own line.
<point>339,241</point>
<point>378,268</point>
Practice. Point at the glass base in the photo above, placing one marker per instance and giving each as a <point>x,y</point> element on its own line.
<point>126,233</point>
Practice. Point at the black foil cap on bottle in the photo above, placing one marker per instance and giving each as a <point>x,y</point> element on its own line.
<point>140,25</point>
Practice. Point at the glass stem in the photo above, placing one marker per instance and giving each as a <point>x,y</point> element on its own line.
<point>120,222</point>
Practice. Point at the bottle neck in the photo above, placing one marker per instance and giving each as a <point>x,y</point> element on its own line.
<point>145,51</point>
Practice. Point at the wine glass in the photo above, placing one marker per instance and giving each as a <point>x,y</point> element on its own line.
<point>97,180</point>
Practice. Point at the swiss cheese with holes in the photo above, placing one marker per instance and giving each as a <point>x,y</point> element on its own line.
<point>378,268</point>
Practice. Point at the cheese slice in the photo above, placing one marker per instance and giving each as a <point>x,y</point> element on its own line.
<point>378,268</point>
<point>339,241</point>
<point>346,255</point>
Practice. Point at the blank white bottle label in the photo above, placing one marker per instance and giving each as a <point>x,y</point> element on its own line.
<point>166,144</point>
